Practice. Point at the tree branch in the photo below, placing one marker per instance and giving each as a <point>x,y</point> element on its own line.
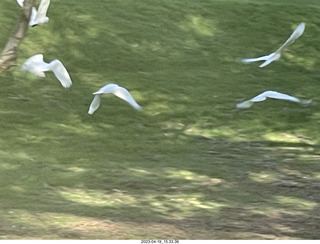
<point>9,54</point>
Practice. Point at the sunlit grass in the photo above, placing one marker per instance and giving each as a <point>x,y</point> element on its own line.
<point>287,138</point>
<point>296,203</point>
<point>96,198</point>
<point>263,177</point>
<point>199,25</point>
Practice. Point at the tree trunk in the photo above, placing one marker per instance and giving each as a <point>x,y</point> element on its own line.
<point>9,54</point>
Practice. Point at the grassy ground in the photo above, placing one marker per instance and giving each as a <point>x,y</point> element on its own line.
<point>190,165</point>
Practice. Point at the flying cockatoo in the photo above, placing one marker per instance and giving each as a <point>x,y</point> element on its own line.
<point>271,94</point>
<point>277,54</point>
<point>38,17</point>
<point>116,90</point>
<point>37,66</point>
<point>20,2</point>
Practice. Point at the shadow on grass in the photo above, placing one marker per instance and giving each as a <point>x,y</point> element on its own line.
<point>252,190</point>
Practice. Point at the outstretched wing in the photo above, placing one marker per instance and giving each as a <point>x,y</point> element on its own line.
<point>20,2</point>
<point>119,92</point>
<point>110,88</point>
<point>125,95</point>
<point>94,104</point>
<point>61,73</point>
<point>43,8</point>
<point>272,94</point>
<point>33,18</point>
<point>35,65</point>
<point>281,96</point>
<point>267,58</point>
<point>275,95</point>
<point>294,36</point>
<point>272,57</point>
<point>250,60</point>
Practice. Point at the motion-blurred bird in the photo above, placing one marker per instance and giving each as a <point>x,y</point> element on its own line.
<point>37,66</point>
<point>116,90</point>
<point>271,94</point>
<point>38,17</point>
<point>277,54</point>
<point>20,2</point>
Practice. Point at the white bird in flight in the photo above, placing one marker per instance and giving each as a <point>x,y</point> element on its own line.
<point>38,17</point>
<point>116,90</point>
<point>277,54</point>
<point>37,66</point>
<point>271,94</point>
<point>20,2</point>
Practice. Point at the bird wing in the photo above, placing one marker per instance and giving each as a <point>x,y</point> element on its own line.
<point>38,58</point>
<point>35,65</point>
<point>281,96</point>
<point>261,97</point>
<point>94,104</point>
<point>33,17</point>
<point>125,95</point>
<point>60,72</point>
<point>271,94</point>
<point>110,88</point>
<point>275,95</point>
<point>294,36</point>
<point>250,60</point>
<point>119,92</point>
<point>267,58</point>
<point>245,104</point>
<point>43,8</point>
<point>20,2</point>
<point>271,57</point>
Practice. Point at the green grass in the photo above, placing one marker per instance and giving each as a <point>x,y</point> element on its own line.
<point>190,165</point>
